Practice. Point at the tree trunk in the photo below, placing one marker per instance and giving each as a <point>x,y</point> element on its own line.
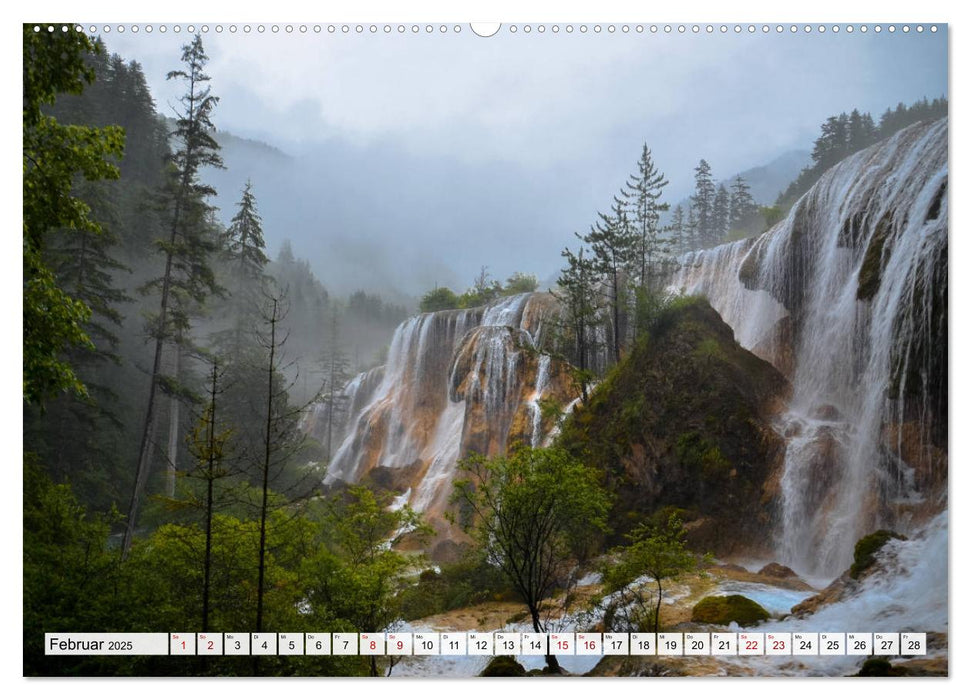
<point>172,452</point>
<point>266,470</point>
<point>210,477</point>
<point>551,662</point>
<point>657,608</point>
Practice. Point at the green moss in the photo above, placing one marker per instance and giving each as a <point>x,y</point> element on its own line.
<point>681,422</point>
<point>866,549</point>
<point>700,457</point>
<point>503,666</point>
<point>722,610</point>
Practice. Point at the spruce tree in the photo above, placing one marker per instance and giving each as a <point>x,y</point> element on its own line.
<point>691,233</point>
<point>703,204</point>
<point>334,363</point>
<point>744,210</point>
<point>187,276</point>
<point>577,293</point>
<point>642,197</point>
<point>614,243</point>
<point>720,215</point>
<point>245,237</point>
<point>678,231</point>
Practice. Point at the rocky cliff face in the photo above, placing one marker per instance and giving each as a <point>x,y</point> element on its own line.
<point>848,297</point>
<point>685,423</point>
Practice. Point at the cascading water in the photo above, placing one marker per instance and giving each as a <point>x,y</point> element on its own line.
<point>542,377</point>
<point>456,382</point>
<point>847,296</point>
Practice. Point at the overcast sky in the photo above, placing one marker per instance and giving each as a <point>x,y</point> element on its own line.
<point>542,127</point>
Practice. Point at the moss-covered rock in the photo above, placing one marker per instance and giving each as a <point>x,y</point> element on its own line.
<point>503,666</point>
<point>725,609</point>
<point>684,422</point>
<point>864,553</point>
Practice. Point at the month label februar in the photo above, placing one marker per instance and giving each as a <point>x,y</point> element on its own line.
<point>106,644</point>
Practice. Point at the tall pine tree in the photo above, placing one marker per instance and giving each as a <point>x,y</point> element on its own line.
<point>744,211</point>
<point>578,294</point>
<point>678,231</point>
<point>642,197</point>
<point>614,242</point>
<point>703,205</point>
<point>187,276</point>
<point>720,215</point>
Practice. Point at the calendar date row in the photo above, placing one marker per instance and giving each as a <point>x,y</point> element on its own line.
<point>488,643</point>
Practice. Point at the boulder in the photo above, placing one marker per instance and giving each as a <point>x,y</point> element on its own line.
<point>723,610</point>
<point>775,570</point>
<point>503,666</point>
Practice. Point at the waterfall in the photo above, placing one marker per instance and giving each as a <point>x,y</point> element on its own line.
<point>848,297</point>
<point>456,382</point>
<point>542,377</point>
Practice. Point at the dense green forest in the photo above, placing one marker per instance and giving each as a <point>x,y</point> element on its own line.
<point>166,359</point>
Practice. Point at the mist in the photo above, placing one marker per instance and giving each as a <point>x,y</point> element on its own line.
<point>402,162</point>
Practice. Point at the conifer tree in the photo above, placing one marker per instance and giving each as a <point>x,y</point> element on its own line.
<point>691,233</point>
<point>613,242</point>
<point>336,376</point>
<point>703,204</point>
<point>245,237</point>
<point>576,291</point>
<point>642,198</point>
<point>187,277</point>
<point>720,214</point>
<point>744,210</point>
<point>678,231</point>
